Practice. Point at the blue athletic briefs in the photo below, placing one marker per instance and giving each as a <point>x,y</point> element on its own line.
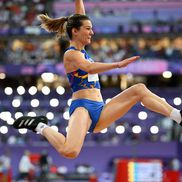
<point>93,107</point>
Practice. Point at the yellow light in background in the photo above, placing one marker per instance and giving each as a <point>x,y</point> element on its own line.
<point>2,76</point>
<point>131,171</point>
<point>48,77</point>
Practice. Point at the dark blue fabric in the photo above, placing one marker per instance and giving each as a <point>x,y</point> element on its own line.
<point>78,79</point>
<point>93,107</point>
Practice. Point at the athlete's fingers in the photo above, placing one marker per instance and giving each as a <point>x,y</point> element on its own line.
<point>134,58</point>
<point>127,61</point>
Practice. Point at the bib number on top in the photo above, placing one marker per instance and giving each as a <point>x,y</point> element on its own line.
<point>93,77</point>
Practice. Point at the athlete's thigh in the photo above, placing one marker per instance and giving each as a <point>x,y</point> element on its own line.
<point>116,108</point>
<point>78,126</point>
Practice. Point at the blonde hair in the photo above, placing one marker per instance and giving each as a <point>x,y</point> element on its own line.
<point>57,25</point>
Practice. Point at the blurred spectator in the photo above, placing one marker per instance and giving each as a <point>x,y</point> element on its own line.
<point>18,17</point>
<point>3,53</point>
<point>5,167</point>
<point>175,164</point>
<point>45,163</point>
<point>25,167</point>
<point>50,51</point>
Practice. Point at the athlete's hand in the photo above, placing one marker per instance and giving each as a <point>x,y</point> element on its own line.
<point>127,61</point>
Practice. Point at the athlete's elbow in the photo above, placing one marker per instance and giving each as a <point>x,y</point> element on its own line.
<point>91,70</point>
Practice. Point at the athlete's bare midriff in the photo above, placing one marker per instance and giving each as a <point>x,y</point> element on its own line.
<point>91,94</point>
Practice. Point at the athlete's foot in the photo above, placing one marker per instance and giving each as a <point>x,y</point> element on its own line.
<point>29,122</point>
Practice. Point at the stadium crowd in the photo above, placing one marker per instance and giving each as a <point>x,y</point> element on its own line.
<point>34,51</point>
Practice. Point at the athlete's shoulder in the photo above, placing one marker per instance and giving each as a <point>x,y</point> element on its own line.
<point>72,55</point>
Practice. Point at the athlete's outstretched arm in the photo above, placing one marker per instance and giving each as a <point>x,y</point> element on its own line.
<point>79,7</point>
<point>94,67</point>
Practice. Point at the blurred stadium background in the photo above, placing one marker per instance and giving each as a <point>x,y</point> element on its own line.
<point>141,146</point>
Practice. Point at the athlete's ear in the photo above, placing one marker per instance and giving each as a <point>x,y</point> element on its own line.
<point>74,31</point>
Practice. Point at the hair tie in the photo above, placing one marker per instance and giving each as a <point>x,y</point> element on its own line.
<point>67,18</point>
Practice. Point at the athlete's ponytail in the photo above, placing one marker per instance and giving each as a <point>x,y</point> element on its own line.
<point>53,24</point>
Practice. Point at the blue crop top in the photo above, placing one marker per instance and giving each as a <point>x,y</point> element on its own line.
<point>80,79</point>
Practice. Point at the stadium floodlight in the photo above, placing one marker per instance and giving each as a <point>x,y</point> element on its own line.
<point>32,90</point>
<point>22,131</point>
<point>46,90</point>
<point>177,101</point>
<point>154,129</point>
<point>32,114</point>
<point>8,90</point>
<point>18,115</point>
<point>69,102</point>
<point>54,102</point>
<point>34,103</point>
<point>120,129</point>
<point>62,170</point>
<point>10,121</point>
<point>16,103</point>
<point>142,115</point>
<point>108,100</point>
<point>3,129</point>
<point>104,130</point>
<point>66,115</point>
<point>167,74</point>
<point>47,77</point>
<point>50,115</point>
<point>136,129</point>
<point>20,90</point>
<point>5,115</point>
<point>55,128</point>
<point>60,90</point>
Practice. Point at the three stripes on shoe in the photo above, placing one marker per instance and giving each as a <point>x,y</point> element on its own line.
<point>28,122</point>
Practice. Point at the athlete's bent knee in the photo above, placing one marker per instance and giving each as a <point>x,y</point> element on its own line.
<point>69,153</point>
<point>140,86</point>
<point>139,90</point>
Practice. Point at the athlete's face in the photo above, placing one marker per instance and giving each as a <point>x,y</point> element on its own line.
<point>84,34</point>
